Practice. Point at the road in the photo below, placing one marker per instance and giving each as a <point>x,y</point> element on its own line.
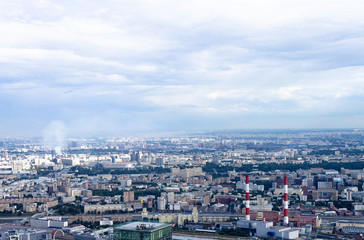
<point>14,218</point>
<point>63,171</point>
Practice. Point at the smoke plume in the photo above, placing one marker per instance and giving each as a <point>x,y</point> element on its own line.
<point>54,136</point>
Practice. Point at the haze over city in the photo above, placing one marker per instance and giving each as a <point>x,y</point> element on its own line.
<point>141,67</point>
<point>181,120</point>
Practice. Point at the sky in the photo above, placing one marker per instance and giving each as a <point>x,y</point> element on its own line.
<point>144,67</point>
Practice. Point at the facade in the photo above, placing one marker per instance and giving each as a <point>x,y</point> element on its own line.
<point>98,218</point>
<point>103,208</point>
<point>267,230</point>
<point>128,196</point>
<point>161,203</point>
<point>325,194</point>
<point>30,207</point>
<point>126,182</point>
<point>175,218</point>
<point>143,231</point>
<point>343,223</point>
<point>32,234</point>
<point>160,161</point>
<point>24,200</point>
<point>170,197</point>
<point>47,222</point>
<point>358,195</point>
<point>186,173</point>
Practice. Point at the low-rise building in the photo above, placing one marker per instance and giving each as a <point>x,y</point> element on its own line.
<point>50,221</point>
<point>97,208</point>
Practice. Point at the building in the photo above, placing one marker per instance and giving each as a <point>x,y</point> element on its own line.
<point>252,186</point>
<point>143,230</point>
<point>160,161</point>
<point>97,208</point>
<point>260,204</point>
<point>126,182</point>
<point>358,195</point>
<point>49,222</point>
<point>161,203</point>
<point>325,194</point>
<point>170,197</point>
<point>128,196</point>
<point>267,230</point>
<point>30,207</point>
<point>26,233</point>
<point>106,222</point>
<point>175,218</point>
<point>187,173</point>
<point>344,223</point>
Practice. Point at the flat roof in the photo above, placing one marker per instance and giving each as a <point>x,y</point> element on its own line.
<point>142,226</point>
<point>280,228</point>
<point>356,221</point>
<point>284,229</point>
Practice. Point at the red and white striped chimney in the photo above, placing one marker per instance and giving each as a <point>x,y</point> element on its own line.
<point>285,202</point>
<point>247,202</point>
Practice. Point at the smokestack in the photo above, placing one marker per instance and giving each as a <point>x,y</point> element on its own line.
<point>247,207</point>
<point>285,203</point>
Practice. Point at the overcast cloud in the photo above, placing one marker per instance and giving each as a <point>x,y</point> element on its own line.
<point>147,67</point>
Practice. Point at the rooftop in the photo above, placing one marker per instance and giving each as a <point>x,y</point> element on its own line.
<point>281,228</point>
<point>140,226</point>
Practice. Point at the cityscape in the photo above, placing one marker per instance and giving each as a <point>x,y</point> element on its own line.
<point>236,184</point>
<point>181,120</point>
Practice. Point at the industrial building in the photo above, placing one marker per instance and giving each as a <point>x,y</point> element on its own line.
<point>266,229</point>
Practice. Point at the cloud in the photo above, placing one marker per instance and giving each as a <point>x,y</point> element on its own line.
<point>178,65</point>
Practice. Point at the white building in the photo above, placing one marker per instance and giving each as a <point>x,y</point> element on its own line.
<point>161,203</point>
<point>126,182</point>
<point>267,230</point>
<point>46,222</point>
<point>252,186</point>
<point>106,222</point>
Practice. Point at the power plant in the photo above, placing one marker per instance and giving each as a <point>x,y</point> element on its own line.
<point>265,228</point>
<point>285,202</point>
<point>247,204</point>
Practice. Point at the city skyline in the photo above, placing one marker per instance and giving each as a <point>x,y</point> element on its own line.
<point>148,67</point>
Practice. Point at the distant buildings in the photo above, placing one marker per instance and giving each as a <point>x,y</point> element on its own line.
<point>194,182</point>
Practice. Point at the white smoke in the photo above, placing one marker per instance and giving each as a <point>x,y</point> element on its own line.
<point>54,136</point>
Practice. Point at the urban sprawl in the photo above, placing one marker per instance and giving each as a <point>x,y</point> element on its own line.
<point>276,184</point>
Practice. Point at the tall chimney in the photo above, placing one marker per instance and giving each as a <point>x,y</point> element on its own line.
<point>247,205</point>
<point>285,203</point>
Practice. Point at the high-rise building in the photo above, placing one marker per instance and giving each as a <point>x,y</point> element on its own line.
<point>170,197</point>
<point>160,161</point>
<point>135,156</point>
<point>161,203</point>
<point>128,196</point>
